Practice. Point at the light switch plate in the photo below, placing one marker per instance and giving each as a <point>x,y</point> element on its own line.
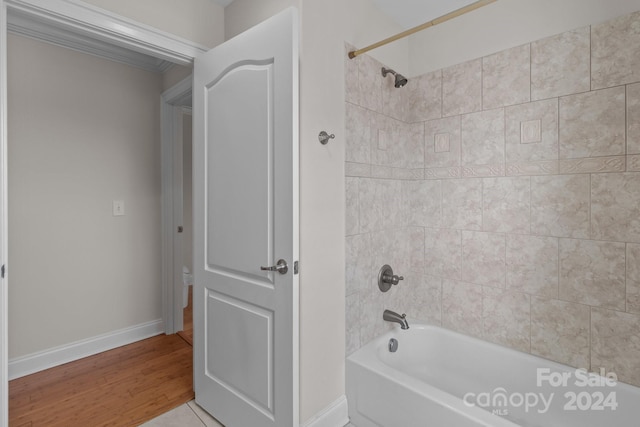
<point>118,207</point>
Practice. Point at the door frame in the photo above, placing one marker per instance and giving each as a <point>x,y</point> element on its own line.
<point>88,21</point>
<point>174,102</point>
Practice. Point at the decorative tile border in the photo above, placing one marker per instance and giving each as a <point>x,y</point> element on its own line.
<point>545,167</point>
<point>408,174</point>
<point>592,165</point>
<point>483,171</point>
<point>633,163</point>
<point>442,173</point>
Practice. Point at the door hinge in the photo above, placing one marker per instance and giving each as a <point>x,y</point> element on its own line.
<point>295,267</point>
<point>2,271</point>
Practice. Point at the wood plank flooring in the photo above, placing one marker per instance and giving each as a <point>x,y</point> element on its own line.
<point>122,387</point>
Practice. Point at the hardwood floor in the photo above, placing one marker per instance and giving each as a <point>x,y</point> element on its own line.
<point>122,387</point>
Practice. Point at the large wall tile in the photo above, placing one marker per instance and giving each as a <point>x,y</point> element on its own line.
<point>615,206</point>
<point>593,273</point>
<point>483,138</point>
<point>401,248</point>
<point>560,206</point>
<point>443,252</point>
<point>541,116</point>
<point>483,258</point>
<point>462,204</point>
<point>423,98</point>
<point>615,344</point>
<point>353,315</point>
<point>593,124</point>
<point>506,78</point>
<point>462,307</point>
<point>420,297</point>
<point>560,65</point>
<point>462,88</point>
<point>633,119</point>
<point>507,205</point>
<point>352,209</point>
<point>351,85</point>
<point>560,331</point>
<point>633,278</point>
<point>359,263</point>
<point>399,144</point>
<point>372,307</point>
<point>423,201</point>
<point>615,52</point>
<point>442,143</point>
<point>380,200</point>
<point>359,134</point>
<point>370,83</point>
<point>532,265</point>
<point>507,318</point>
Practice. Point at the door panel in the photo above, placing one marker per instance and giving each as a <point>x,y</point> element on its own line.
<point>249,223</point>
<point>245,217</point>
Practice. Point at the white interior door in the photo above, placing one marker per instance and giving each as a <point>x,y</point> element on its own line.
<point>246,217</point>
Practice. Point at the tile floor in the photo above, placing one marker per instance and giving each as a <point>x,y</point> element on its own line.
<point>187,415</point>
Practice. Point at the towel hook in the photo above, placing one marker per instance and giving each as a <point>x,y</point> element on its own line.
<point>324,137</point>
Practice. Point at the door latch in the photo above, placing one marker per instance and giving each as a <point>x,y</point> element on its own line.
<point>281,267</point>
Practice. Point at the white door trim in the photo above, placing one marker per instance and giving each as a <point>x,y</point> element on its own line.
<point>171,110</point>
<point>4,240</point>
<point>88,21</point>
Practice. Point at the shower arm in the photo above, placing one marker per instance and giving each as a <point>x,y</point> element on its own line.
<point>444,18</point>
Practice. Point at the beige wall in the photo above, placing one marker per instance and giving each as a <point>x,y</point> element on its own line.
<point>201,21</point>
<point>529,241</point>
<point>83,132</point>
<point>506,24</point>
<point>187,191</point>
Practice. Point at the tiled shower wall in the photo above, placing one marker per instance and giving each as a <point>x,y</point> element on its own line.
<point>506,190</point>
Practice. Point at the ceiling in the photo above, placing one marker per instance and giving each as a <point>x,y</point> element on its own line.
<point>408,13</point>
<point>411,13</point>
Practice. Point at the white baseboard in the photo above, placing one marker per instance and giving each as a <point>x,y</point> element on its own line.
<point>35,362</point>
<point>334,415</point>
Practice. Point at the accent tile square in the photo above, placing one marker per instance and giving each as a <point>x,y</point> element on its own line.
<point>439,159</point>
<point>530,132</point>
<point>441,143</point>
<point>546,147</point>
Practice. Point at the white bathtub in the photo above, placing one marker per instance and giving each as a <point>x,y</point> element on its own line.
<point>438,378</point>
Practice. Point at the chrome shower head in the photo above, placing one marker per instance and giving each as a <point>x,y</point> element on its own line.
<point>400,79</point>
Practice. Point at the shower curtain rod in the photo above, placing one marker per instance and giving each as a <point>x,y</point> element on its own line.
<point>440,20</point>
